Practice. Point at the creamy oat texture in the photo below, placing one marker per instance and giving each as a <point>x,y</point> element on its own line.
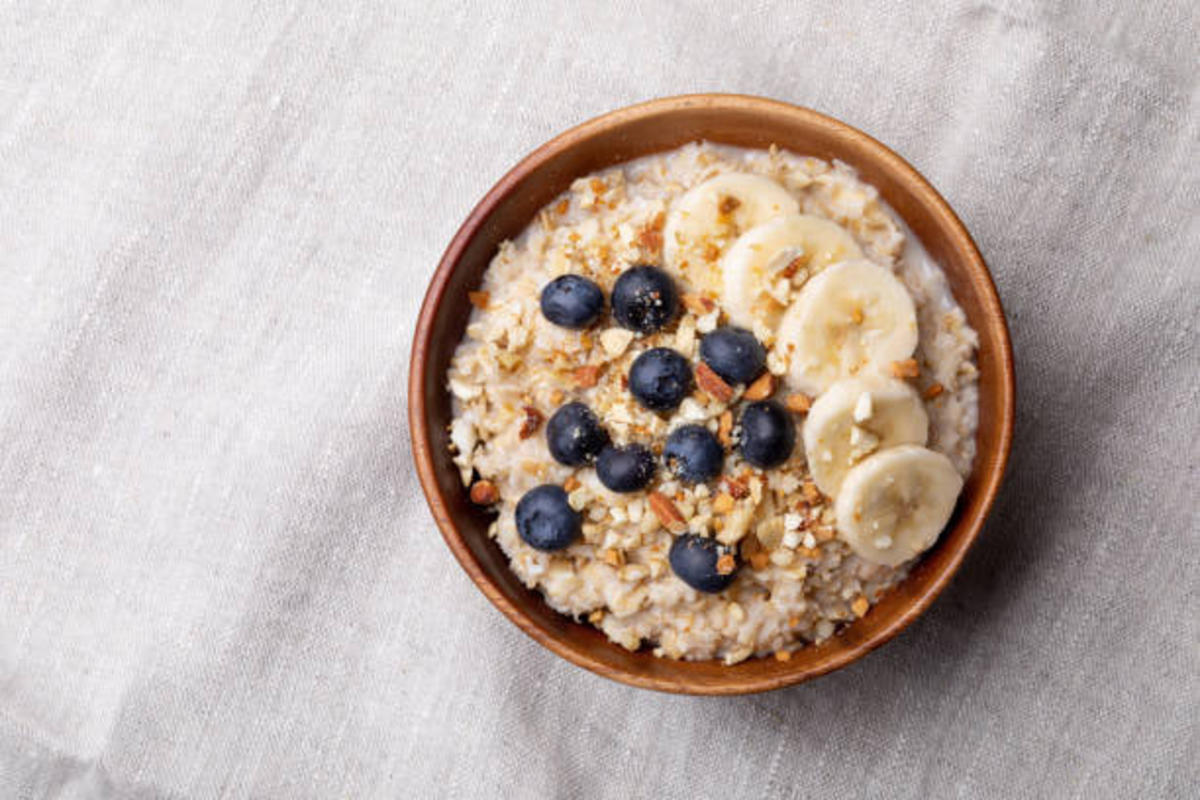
<point>798,581</point>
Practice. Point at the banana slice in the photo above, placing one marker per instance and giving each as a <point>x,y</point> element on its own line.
<point>856,418</point>
<point>895,503</point>
<point>709,216</point>
<point>761,267</point>
<point>853,319</point>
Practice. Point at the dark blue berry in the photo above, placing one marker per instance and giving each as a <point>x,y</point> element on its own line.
<point>734,354</point>
<point>693,454</point>
<point>694,560</point>
<point>768,434</point>
<point>574,435</point>
<point>644,299</point>
<point>572,301</point>
<point>545,520</point>
<point>625,469</point>
<point>660,378</point>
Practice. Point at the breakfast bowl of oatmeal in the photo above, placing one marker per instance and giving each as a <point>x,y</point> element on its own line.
<point>711,394</point>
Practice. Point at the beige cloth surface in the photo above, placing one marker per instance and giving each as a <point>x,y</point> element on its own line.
<point>217,574</point>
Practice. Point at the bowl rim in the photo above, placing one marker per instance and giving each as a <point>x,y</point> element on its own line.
<point>926,196</point>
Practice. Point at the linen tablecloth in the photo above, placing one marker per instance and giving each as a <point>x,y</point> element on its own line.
<point>218,577</point>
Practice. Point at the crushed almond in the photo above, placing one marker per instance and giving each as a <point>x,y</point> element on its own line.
<point>908,368</point>
<point>586,376</point>
<point>737,487</point>
<point>571,484</point>
<point>792,268</point>
<point>722,503</point>
<point>697,303</point>
<point>557,397</point>
<point>613,557</point>
<point>712,384</point>
<point>484,493</point>
<point>725,428</point>
<point>811,493</point>
<point>798,403</point>
<point>616,340</point>
<point>762,387</point>
<point>667,513</point>
<point>479,299</point>
<point>650,236</point>
<point>860,606</point>
<point>728,204</point>
<point>562,206</point>
<point>726,564</point>
<point>783,655</point>
<point>934,390</point>
<point>531,422</point>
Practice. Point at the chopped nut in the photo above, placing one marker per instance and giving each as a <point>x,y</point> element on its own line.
<point>711,251</point>
<point>725,428</point>
<point>824,534</point>
<point>860,606</point>
<point>762,388</point>
<point>556,397</point>
<point>728,204</point>
<point>737,487</point>
<point>722,504</point>
<point>783,655</point>
<point>484,493</point>
<point>532,421</point>
<point>587,376</point>
<point>479,299</point>
<point>712,383</point>
<point>570,484</point>
<point>908,368</point>
<point>798,403</point>
<point>596,616</point>
<point>857,316</point>
<point>598,186</point>
<point>562,206</point>
<point>613,557</point>
<point>726,564</point>
<point>667,513</point>
<point>792,267</point>
<point>615,341</point>
<point>577,499</point>
<point>934,390</point>
<point>811,493</point>
<point>697,303</point>
<point>650,236</point>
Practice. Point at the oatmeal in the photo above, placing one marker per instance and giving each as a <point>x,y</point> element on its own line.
<point>720,400</point>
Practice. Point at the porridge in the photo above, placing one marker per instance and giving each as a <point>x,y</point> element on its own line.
<point>719,399</point>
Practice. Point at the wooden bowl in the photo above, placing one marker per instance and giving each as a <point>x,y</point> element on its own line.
<point>611,139</point>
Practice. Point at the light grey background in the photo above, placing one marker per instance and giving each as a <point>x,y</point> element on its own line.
<point>217,574</point>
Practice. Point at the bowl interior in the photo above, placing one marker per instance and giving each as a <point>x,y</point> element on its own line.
<point>621,136</point>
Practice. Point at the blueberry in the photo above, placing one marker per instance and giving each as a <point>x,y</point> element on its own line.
<point>545,520</point>
<point>734,354</point>
<point>693,454</point>
<point>572,301</point>
<point>625,469</point>
<point>768,434</point>
<point>574,435</point>
<point>660,378</point>
<point>644,299</point>
<point>694,559</point>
